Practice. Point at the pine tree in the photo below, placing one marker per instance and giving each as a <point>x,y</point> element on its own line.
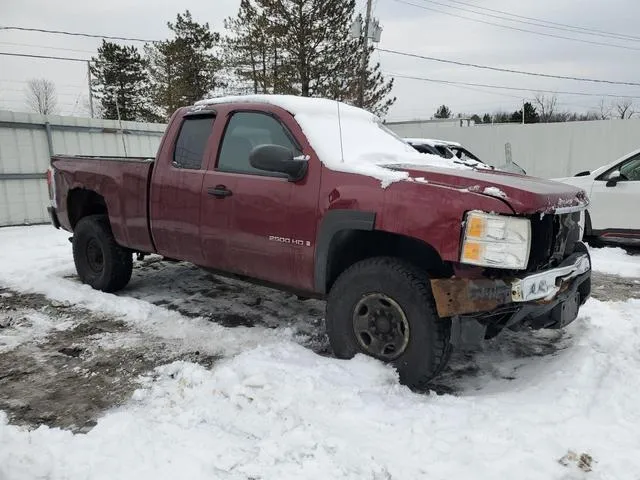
<point>443,112</point>
<point>303,47</point>
<point>252,51</point>
<point>183,70</point>
<point>530,114</point>
<point>120,77</point>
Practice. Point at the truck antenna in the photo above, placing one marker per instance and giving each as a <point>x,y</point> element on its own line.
<point>124,143</point>
<point>340,132</point>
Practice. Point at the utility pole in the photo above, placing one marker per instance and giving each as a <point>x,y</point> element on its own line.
<point>365,45</point>
<point>89,83</point>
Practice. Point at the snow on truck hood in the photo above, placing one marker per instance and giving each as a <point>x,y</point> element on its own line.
<point>346,138</point>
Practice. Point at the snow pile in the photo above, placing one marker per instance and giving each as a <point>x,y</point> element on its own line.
<point>494,192</point>
<point>615,261</point>
<point>346,138</point>
<point>281,411</point>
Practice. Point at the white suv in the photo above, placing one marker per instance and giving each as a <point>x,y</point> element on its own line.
<point>614,191</point>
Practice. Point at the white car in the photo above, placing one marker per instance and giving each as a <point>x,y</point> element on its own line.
<point>614,192</point>
<point>447,149</point>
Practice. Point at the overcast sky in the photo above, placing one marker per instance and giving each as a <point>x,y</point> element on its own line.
<point>406,28</point>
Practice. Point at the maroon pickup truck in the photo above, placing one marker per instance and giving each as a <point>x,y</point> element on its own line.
<point>413,253</point>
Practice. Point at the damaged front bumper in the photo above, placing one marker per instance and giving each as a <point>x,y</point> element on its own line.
<point>458,296</point>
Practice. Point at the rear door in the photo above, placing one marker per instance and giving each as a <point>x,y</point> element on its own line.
<point>175,206</point>
<point>615,207</point>
<point>272,221</point>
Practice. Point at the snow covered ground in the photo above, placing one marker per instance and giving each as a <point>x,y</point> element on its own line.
<point>275,405</point>
<point>615,261</point>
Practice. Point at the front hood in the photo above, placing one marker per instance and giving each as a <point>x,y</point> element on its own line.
<point>524,194</point>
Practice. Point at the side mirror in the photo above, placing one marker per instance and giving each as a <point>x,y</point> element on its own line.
<point>586,173</point>
<point>614,178</point>
<point>275,158</point>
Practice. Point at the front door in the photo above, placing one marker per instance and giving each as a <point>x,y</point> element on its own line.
<point>271,221</point>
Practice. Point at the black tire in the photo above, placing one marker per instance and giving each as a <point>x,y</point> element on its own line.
<point>100,261</point>
<point>428,348</point>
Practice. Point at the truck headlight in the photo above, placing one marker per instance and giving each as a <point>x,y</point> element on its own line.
<point>498,241</point>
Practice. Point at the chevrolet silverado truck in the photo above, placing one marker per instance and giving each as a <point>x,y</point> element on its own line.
<point>413,253</point>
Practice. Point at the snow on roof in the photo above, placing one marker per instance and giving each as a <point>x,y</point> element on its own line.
<point>293,104</point>
<point>432,142</point>
<point>346,138</point>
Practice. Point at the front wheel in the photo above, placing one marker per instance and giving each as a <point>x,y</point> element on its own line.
<point>383,307</point>
<point>100,261</point>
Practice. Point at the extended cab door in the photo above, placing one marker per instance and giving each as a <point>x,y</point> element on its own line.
<point>176,187</point>
<point>614,205</point>
<point>272,222</point>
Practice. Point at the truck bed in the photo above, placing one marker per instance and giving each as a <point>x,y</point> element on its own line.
<point>123,182</point>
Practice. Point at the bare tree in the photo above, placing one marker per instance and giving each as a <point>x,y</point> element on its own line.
<point>546,106</point>
<point>625,109</point>
<point>604,110</point>
<point>41,96</point>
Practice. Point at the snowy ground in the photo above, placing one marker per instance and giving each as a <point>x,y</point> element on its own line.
<point>187,375</point>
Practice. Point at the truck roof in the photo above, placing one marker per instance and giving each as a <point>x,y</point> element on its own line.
<point>294,104</point>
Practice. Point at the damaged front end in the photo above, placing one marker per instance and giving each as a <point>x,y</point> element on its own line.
<point>545,294</point>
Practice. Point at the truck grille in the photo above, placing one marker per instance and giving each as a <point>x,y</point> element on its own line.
<point>553,238</point>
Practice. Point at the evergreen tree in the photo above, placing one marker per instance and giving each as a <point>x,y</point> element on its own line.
<point>443,112</point>
<point>486,118</point>
<point>254,53</point>
<point>120,77</point>
<point>304,47</point>
<point>530,114</point>
<point>183,69</point>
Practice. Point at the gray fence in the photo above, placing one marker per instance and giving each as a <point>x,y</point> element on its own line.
<point>27,142</point>
<point>548,150</point>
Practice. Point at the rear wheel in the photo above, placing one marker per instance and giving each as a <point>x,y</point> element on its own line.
<point>100,261</point>
<point>383,307</point>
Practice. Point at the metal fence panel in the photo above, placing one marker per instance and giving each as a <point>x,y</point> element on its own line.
<point>27,141</point>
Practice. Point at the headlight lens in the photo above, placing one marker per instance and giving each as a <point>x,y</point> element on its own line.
<point>498,241</point>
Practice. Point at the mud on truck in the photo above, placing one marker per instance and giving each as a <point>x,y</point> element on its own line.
<point>414,253</point>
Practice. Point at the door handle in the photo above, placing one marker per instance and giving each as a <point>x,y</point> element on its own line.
<point>219,191</point>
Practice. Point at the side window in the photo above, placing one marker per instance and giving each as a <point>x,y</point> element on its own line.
<point>192,142</point>
<point>630,170</point>
<point>246,131</point>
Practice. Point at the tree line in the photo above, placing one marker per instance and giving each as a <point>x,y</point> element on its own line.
<point>545,109</point>
<point>300,47</point>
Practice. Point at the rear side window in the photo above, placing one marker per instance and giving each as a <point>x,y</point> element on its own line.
<point>246,131</point>
<point>192,142</point>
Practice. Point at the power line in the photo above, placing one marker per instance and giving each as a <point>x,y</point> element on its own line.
<point>502,87</point>
<point>44,56</point>
<point>46,47</point>
<point>537,23</point>
<point>508,70</point>
<point>78,34</point>
<point>517,28</point>
<point>577,28</point>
